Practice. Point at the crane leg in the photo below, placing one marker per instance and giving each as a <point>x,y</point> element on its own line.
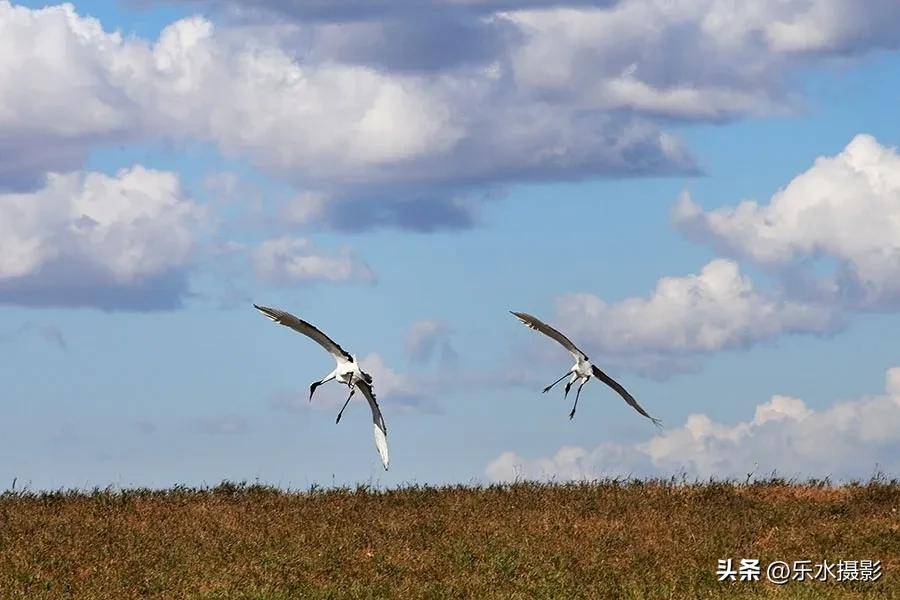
<point>338,420</point>
<point>547,389</point>
<point>577,394</point>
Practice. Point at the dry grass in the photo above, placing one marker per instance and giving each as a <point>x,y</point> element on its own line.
<point>604,540</point>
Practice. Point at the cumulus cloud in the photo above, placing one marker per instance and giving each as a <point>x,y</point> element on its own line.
<point>835,26</point>
<point>707,60</point>
<point>845,208</point>
<point>434,40</point>
<point>794,26</point>
<point>716,309</point>
<point>383,146</point>
<point>831,237</point>
<point>366,10</point>
<point>327,121</point>
<point>89,239</point>
<point>427,339</point>
<point>60,97</point>
<point>296,261</point>
<point>850,439</point>
<point>399,389</point>
<point>406,114</point>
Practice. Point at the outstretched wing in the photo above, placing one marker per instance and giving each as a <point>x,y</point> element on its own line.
<point>539,325</point>
<point>311,331</point>
<point>380,428</point>
<point>623,392</point>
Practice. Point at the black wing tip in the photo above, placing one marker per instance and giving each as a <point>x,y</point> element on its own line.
<point>522,317</point>
<point>268,312</point>
<point>657,423</point>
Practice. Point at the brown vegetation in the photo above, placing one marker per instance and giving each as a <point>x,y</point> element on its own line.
<point>604,540</point>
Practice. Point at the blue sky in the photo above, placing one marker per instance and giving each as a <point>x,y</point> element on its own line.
<point>570,162</point>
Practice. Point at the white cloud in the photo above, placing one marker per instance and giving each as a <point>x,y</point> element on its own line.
<point>328,120</point>
<point>344,132</point>
<point>706,59</point>
<point>92,239</point>
<point>850,439</point>
<point>306,208</point>
<point>375,137</point>
<point>845,208</point>
<point>349,131</point>
<point>673,59</point>
<point>549,94</point>
<point>294,261</point>
<point>835,26</point>
<point>59,91</point>
<point>68,85</point>
<point>428,338</point>
<point>842,214</point>
<point>321,123</point>
<point>397,389</point>
<point>777,26</point>
<point>717,309</point>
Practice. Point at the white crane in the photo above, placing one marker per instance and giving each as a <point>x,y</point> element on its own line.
<point>582,370</point>
<point>347,371</point>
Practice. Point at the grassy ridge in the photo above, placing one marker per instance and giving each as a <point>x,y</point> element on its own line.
<point>603,540</point>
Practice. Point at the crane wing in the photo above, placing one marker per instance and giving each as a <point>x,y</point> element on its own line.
<point>538,325</point>
<point>380,429</point>
<point>309,330</point>
<point>623,392</point>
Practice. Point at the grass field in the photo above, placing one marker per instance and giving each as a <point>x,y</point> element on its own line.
<point>604,540</point>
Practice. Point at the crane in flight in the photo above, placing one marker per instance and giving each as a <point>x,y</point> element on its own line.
<point>582,370</point>
<point>346,371</point>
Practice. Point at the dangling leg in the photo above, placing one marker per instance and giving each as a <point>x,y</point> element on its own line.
<point>338,420</point>
<point>569,385</point>
<point>577,393</point>
<point>315,384</point>
<point>547,389</point>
